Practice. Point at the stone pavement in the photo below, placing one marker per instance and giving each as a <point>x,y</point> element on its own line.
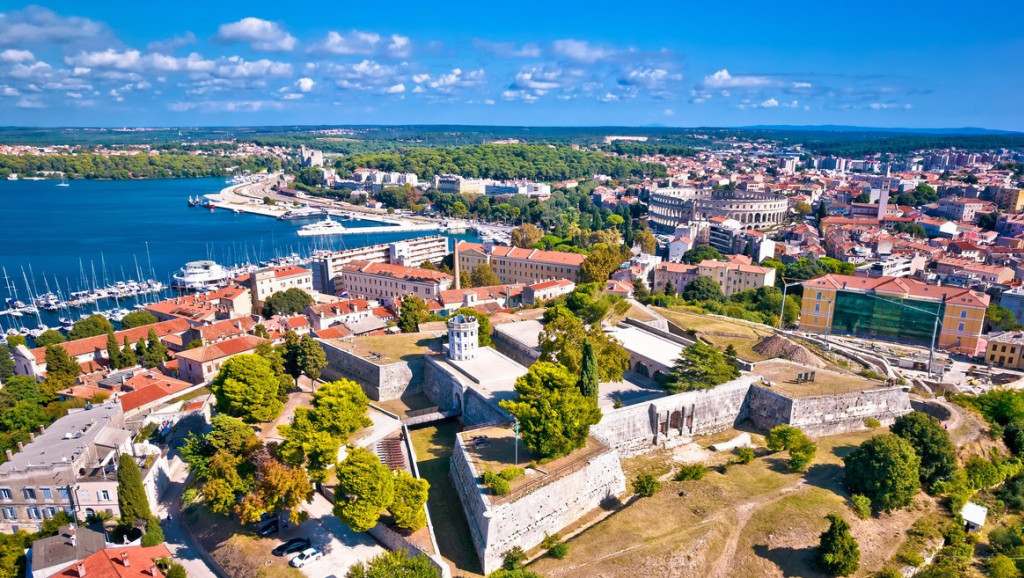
<point>178,541</point>
<point>341,546</point>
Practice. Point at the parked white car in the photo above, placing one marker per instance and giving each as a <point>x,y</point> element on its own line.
<point>305,557</point>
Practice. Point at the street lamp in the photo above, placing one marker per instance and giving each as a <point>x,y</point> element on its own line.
<point>785,287</point>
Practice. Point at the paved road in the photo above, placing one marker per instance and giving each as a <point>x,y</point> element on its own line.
<point>341,546</point>
<point>177,540</point>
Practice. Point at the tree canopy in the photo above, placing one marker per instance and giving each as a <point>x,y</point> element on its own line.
<point>554,417</point>
<point>366,487</point>
<point>394,564</point>
<point>50,337</point>
<point>288,302</point>
<point>247,387</point>
<point>484,276</point>
<point>526,235</point>
<point>600,264</point>
<point>701,253</point>
<point>886,469</point>
<point>91,326</point>
<point>411,313</point>
<point>561,341</point>
<point>700,366</point>
<point>800,447</point>
<point>932,444</point>
<point>138,319</point>
<point>483,324</point>
<point>703,289</point>
<point>838,553</point>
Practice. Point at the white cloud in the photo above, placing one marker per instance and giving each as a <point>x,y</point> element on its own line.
<point>260,34</point>
<point>36,69</point>
<point>9,91</point>
<point>15,55</point>
<point>133,60</point>
<point>29,102</point>
<point>395,89</point>
<point>305,84</point>
<point>354,42</point>
<point>669,112</point>
<point>292,96</point>
<point>400,46</point>
<point>508,49</point>
<point>447,83</point>
<point>37,25</point>
<point>609,97</point>
<point>226,106</point>
<point>171,44</point>
<point>722,79</point>
<point>770,103</point>
<point>520,95</point>
<point>580,50</point>
<point>237,67</point>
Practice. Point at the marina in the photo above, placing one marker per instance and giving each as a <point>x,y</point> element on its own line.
<point>109,247</point>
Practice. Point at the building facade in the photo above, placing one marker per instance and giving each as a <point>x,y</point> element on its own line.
<point>409,252</point>
<point>736,275</point>
<point>266,282</point>
<point>516,265</point>
<point>391,283</point>
<point>896,309</point>
<point>1006,350</point>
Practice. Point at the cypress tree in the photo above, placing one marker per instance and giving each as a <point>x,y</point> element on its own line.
<point>589,372</point>
<point>127,355</point>
<point>114,351</point>
<point>670,289</point>
<point>131,496</point>
<point>838,553</point>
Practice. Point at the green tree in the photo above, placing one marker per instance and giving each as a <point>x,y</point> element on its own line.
<point>410,498</point>
<point>366,487</point>
<point>116,356</point>
<point>131,495</point>
<point>640,291</point>
<point>703,289</point>
<point>138,319</point>
<point>931,443</point>
<point>981,473</point>
<point>800,447</point>
<point>589,374</point>
<point>526,235</point>
<point>306,444</point>
<point>278,488</point>
<point>156,351</point>
<point>838,553</point>
<point>600,264</point>
<point>701,253</point>
<point>412,312</point>
<point>1001,318</point>
<point>340,408</point>
<point>669,289</point>
<point>700,366</point>
<point>1001,566</point>
<point>561,341</point>
<point>648,244</point>
<point>886,469</point>
<point>287,302</point>
<point>61,369</point>
<point>484,276</point>
<point>312,357</point>
<point>6,363</point>
<point>15,340</point>
<point>394,564</point>
<point>483,324</point>
<point>554,417</point>
<point>91,326</point>
<point>50,337</point>
<point>246,387</point>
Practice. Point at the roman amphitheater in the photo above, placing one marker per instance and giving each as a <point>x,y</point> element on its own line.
<point>671,206</point>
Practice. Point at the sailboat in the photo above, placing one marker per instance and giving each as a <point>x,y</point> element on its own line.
<point>63,182</point>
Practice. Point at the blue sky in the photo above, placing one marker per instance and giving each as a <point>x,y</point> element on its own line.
<point>187,63</point>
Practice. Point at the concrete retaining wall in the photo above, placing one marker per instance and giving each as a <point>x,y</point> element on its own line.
<point>767,408</point>
<point>392,540</point>
<point>380,382</point>
<point>477,410</point>
<point>547,509</point>
<point>514,350</point>
<point>439,385</point>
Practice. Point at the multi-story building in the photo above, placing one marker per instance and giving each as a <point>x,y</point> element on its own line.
<point>516,265</point>
<point>391,283</point>
<point>1014,301</point>
<point>902,266</point>
<point>737,274</point>
<point>221,303</point>
<point>265,282</point>
<point>679,274</point>
<point>409,252</point>
<point>895,309</point>
<point>1010,199</point>
<point>310,157</point>
<point>459,185</point>
<point>324,315</point>
<point>959,209</point>
<point>730,238</point>
<point>547,290</point>
<point>1006,350</point>
<point>70,466</point>
<point>201,364</point>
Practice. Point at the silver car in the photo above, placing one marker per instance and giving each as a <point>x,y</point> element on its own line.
<point>305,557</point>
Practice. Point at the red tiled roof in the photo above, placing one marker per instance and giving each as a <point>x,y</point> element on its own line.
<point>552,283</point>
<point>149,386</point>
<point>332,332</point>
<point>396,271</point>
<point>556,257</point>
<point>900,286</point>
<point>99,342</point>
<point>111,563</point>
<point>222,349</point>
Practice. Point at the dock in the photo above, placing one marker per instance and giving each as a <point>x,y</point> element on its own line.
<point>372,230</point>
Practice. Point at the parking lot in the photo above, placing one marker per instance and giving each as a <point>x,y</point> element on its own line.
<point>341,546</point>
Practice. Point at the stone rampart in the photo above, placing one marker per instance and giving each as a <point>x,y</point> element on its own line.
<point>381,382</point>
<point>515,350</point>
<point>835,414</point>
<point>439,385</point>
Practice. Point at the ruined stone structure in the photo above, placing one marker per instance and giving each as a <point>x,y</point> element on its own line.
<point>671,206</point>
<point>824,415</point>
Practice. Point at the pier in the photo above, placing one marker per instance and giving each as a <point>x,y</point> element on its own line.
<point>372,230</point>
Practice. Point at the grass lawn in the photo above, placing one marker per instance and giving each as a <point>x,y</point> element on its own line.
<point>754,520</point>
<point>237,549</point>
<point>433,445</point>
<point>740,335</point>
<point>394,347</point>
<point>200,392</point>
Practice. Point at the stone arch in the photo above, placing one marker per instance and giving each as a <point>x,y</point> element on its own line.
<point>457,399</point>
<point>642,369</point>
<point>659,375</point>
<point>675,420</point>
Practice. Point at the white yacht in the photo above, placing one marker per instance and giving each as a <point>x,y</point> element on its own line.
<point>325,227</point>
<point>199,274</point>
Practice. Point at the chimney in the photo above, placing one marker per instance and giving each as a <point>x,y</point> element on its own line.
<point>81,570</point>
<point>124,559</point>
<point>21,446</point>
<point>10,455</point>
<point>42,429</point>
<point>74,537</point>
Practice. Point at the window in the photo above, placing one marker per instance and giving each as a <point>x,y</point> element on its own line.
<point>49,512</point>
<point>817,307</point>
<point>10,514</point>
<point>104,496</point>
<point>960,326</point>
<point>85,495</point>
<point>33,513</point>
<point>5,494</point>
<point>963,314</point>
<point>30,494</point>
<point>47,493</point>
<point>64,494</point>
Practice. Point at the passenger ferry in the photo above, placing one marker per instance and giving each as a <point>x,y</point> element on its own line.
<point>200,274</point>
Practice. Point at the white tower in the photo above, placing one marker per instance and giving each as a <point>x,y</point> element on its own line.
<point>462,337</point>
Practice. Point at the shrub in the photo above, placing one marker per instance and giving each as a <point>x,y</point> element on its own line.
<point>1001,566</point>
<point>911,558</point>
<point>861,506</point>
<point>646,485</point>
<point>981,473</point>
<point>691,472</point>
<point>745,455</point>
<point>513,559</point>
<point>838,553</point>
<point>616,403</point>
<point>510,473</point>
<point>499,486</point>
<point>872,423</point>
<point>559,551</point>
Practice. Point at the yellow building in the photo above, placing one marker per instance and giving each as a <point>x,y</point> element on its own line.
<point>895,309</point>
<point>1006,350</point>
<point>516,265</point>
<point>735,275</point>
<point>1010,199</point>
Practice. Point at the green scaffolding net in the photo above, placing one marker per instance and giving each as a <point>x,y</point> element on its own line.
<point>891,318</point>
